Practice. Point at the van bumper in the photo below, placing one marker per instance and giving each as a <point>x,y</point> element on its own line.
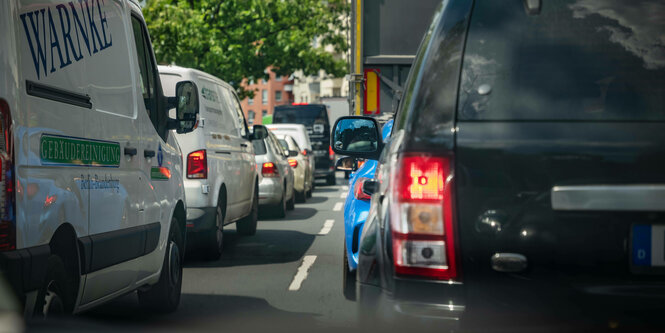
<point>200,219</point>
<point>25,269</point>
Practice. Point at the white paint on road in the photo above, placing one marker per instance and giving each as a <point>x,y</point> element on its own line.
<point>301,275</point>
<point>343,195</point>
<point>345,188</point>
<point>338,206</point>
<point>326,227</point>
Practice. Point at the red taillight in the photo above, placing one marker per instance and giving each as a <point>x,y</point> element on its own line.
<point>7,195</point>
<point>358,189</point>
<point>304,152</point>
<point>422,217</point>
<point>361,162</point>
<point>293,163</point>
<point>331,153</point>
<point>197,165</point>
<point>269,170</point>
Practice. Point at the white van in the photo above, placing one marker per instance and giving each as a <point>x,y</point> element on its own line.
<point>299,133</point>
<point>221,179</point>
<point>92,205</point>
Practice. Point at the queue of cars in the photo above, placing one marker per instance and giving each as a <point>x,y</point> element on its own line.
<point>111,166</point>
<point>522,183</point>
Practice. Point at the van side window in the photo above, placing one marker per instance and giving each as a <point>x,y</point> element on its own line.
<point>147,71</point>
<point>242,124</point>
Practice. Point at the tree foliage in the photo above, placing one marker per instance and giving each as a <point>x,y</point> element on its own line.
<point>236,39</point>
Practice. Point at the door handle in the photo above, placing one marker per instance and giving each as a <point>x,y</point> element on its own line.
<point>148,153</point>
<point>130,151</point>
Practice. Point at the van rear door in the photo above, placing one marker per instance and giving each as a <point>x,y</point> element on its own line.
<point>561,124</point>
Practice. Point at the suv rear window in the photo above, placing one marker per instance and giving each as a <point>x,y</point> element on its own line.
<point>576,60</point>
<point>306,115</point>
<point>259,147</point>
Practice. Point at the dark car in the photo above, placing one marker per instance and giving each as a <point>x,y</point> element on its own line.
<point>315,119</point>
<point>524,181</point>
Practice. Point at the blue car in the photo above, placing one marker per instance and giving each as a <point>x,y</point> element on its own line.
<point>356,209</point>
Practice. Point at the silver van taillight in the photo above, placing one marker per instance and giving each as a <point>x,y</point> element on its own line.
<point>7,189</point>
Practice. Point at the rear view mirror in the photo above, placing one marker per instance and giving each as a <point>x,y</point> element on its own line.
<point>293,153</point>
<point>346,164</point>
<point>259,132</point>
<point>358,137</point>
<point>186,103</point>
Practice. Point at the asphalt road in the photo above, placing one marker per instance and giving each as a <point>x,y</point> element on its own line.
<point>256,284</point>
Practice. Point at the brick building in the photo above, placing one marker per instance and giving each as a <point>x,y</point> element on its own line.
<point>267,95</point>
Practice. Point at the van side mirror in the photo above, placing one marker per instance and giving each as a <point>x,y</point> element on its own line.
<point>186,103</point>
<point>346,164</point>
<point>357,137</point>
<point>259,132</point>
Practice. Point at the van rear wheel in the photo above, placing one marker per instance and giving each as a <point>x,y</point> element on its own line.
<point>55,297</point>
<point>214,238</point>
<point>164,297</point>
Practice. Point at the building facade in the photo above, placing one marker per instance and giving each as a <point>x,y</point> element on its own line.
<point>278,90</point>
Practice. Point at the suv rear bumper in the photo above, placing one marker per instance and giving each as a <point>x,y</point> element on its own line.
<point>200,219</point>
<point>25,269</point>
<point>394,311</point>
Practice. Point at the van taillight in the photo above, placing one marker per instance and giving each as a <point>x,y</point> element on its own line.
<point>269,170</point>
<point>197,165</point>
<point>422,217</point>
<point>293,163</point>
<point>7,195</point>
<point>331,153</point>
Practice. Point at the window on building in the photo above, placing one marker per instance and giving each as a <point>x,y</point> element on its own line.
<point>250,117</point>
<point>278,96</point>
<point>250,100</point>
<point>264,113</point>
<point>278,78</point>
<point>264,96</point>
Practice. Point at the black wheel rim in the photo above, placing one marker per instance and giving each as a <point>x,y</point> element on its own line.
<point>52,301</point>
<point>174,264</point>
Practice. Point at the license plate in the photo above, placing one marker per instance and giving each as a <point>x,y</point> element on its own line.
<point>648,247</point>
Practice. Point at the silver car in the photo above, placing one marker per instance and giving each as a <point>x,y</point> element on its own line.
<point>276,192</point>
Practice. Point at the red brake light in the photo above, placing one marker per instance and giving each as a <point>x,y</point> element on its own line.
<point>197,165</point>
<point>304,152</point>
<point>269,170</point>
<point>358,189</point>
<point>293,163</point>
<point>331,153</point>
<point>422,217</point>
<point>8,198</point>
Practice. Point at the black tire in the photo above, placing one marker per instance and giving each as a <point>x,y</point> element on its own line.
<point>164,296</point>
<point>247,225</point>
<point>56,295</point>
<point>331,180</point>
<point>301,197</point>
<point>291,204</point>
<point>348,279</point>
<point>214,238</point>
<point>279,211</point>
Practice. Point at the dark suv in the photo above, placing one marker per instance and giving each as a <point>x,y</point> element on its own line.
<point>315,119</point>
<point>524,180</point>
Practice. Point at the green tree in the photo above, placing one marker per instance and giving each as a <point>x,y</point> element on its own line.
<point>236,39</point>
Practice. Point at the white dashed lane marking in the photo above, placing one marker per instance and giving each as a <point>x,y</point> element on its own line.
<point>301,275</point>
<point>338,206</point>
<point>345,188</point>
<point>343,195</point>
<point>326,227</point>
